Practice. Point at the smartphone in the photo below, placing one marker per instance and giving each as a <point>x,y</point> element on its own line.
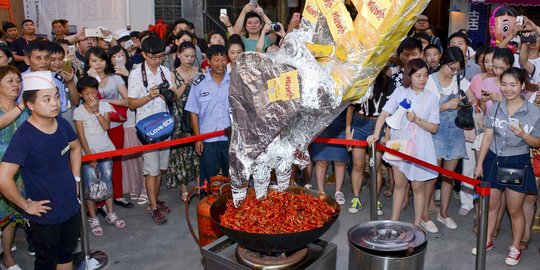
<point>253,2</point>
<point>118,61</point>
<point>531,39</point>
<point>513,122</point>
<point>67,65</point>
<point>519,20</point>
<point>129,43</point>
<point>71,50</point>
<point>223,12</point>
<point>485,93</point>
<point>92,32</point>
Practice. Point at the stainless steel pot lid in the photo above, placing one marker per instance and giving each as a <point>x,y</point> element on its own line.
<point>386,235</point>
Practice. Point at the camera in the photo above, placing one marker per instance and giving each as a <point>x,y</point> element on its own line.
<point>276,27</point>
<point>164,90</point>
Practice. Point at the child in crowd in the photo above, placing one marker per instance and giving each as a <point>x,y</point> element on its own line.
<point>92,122</point>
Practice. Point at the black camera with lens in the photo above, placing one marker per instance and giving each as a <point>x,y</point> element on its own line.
<point>276,27</point>
<point>164,91</point>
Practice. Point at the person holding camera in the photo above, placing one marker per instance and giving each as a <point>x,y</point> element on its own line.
<point>148,89</point>
<point>512,127</point>
<point>529,54</point>
<point>251,19</point>
<point>208,103</point>
<point>278,30</point>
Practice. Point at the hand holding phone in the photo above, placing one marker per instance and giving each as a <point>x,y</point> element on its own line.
<point>92,32</point>
<point>253,2</point>
<point>67,65</point>
<point>513,122</point>
<point>223,12</point>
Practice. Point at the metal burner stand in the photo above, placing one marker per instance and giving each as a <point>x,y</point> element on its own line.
<point>221,255</point>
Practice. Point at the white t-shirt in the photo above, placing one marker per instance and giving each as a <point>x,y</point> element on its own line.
<point>432,87</point>
<point>535,77</point>
<point>97,138</point>
<point>110,91</point>
<point>136,89</point>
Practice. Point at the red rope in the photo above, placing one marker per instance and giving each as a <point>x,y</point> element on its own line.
<point>430,166</point>
<point>127,151</point>
<point>148,147</point>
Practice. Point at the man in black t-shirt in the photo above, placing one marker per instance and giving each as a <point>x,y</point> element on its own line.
<point>18,45</point>
<point>11,32</point>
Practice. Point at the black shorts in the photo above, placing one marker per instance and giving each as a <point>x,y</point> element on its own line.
<point>55,244</point>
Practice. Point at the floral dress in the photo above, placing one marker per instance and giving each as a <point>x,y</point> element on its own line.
<point>9,214</point>
<point>183,162</point>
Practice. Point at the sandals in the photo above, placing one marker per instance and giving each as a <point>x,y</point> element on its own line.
<point>536,225</point>
<point>143,199</point>
<point>113,219</point>
<point>133,196</point>
<point>95,227</point>
<point>185,196</point>
<point>523,245</point>
<point>387,193</point>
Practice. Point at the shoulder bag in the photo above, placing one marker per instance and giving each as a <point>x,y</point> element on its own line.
<point>508,174</point>
<point>464,118</point>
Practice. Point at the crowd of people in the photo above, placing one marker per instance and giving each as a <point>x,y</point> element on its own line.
<point>102,86</point>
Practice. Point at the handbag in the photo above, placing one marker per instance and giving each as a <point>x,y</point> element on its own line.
<point>119,113</point>
<point>464,118</point>
<point>508,174</point>
<point>97,189</point>
<point>402,145</point>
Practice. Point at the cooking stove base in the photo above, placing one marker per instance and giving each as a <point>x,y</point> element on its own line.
<point>221,254</point>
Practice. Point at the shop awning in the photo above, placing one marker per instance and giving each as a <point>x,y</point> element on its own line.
<point>509,2</point>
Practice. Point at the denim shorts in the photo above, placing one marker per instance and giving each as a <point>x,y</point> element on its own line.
<point>330,152</point>
<point>520,161</point>
<point>363,127</point>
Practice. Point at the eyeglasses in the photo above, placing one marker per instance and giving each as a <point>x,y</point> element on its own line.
<point>454,70</point>
<point>155,56</point>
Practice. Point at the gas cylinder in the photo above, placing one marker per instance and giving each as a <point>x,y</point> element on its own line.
<point>208,229</point>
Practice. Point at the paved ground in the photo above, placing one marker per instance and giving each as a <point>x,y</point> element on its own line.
<point>143,245</point>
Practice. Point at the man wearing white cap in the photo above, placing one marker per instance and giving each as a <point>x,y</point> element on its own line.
<point>47,152</point>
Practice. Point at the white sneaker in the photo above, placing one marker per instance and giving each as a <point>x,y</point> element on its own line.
<point>308,186</point>
<point>513,257</point>
<point>429,226</point>
<point>448,222</point>
<point>379,209</point>
<point>340,198</point>
<point>437,195</point>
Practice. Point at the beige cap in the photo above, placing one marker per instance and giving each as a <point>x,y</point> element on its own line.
<point>38,80</point>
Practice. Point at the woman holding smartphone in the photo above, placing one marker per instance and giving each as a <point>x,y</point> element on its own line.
<point>507,143</point>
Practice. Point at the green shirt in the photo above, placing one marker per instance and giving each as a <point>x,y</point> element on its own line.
<point>251,44</point>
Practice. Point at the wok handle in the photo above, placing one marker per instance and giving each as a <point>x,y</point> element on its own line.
<point>320,242</point>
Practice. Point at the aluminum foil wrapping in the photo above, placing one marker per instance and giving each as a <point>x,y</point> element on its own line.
<point>279,102</point>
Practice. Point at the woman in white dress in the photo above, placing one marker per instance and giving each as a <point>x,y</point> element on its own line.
<point>420,122</point>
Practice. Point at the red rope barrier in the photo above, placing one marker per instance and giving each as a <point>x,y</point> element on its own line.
<point>334,141</point>
<point>341,141</point>
<point>148,147</point>
<point>430,166</point>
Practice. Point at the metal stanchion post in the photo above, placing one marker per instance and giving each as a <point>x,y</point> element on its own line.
<point>86,259</point>
<point>482,236</point>
<point>373,183</point>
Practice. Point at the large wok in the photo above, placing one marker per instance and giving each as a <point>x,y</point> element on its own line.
<point>274,243</point>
